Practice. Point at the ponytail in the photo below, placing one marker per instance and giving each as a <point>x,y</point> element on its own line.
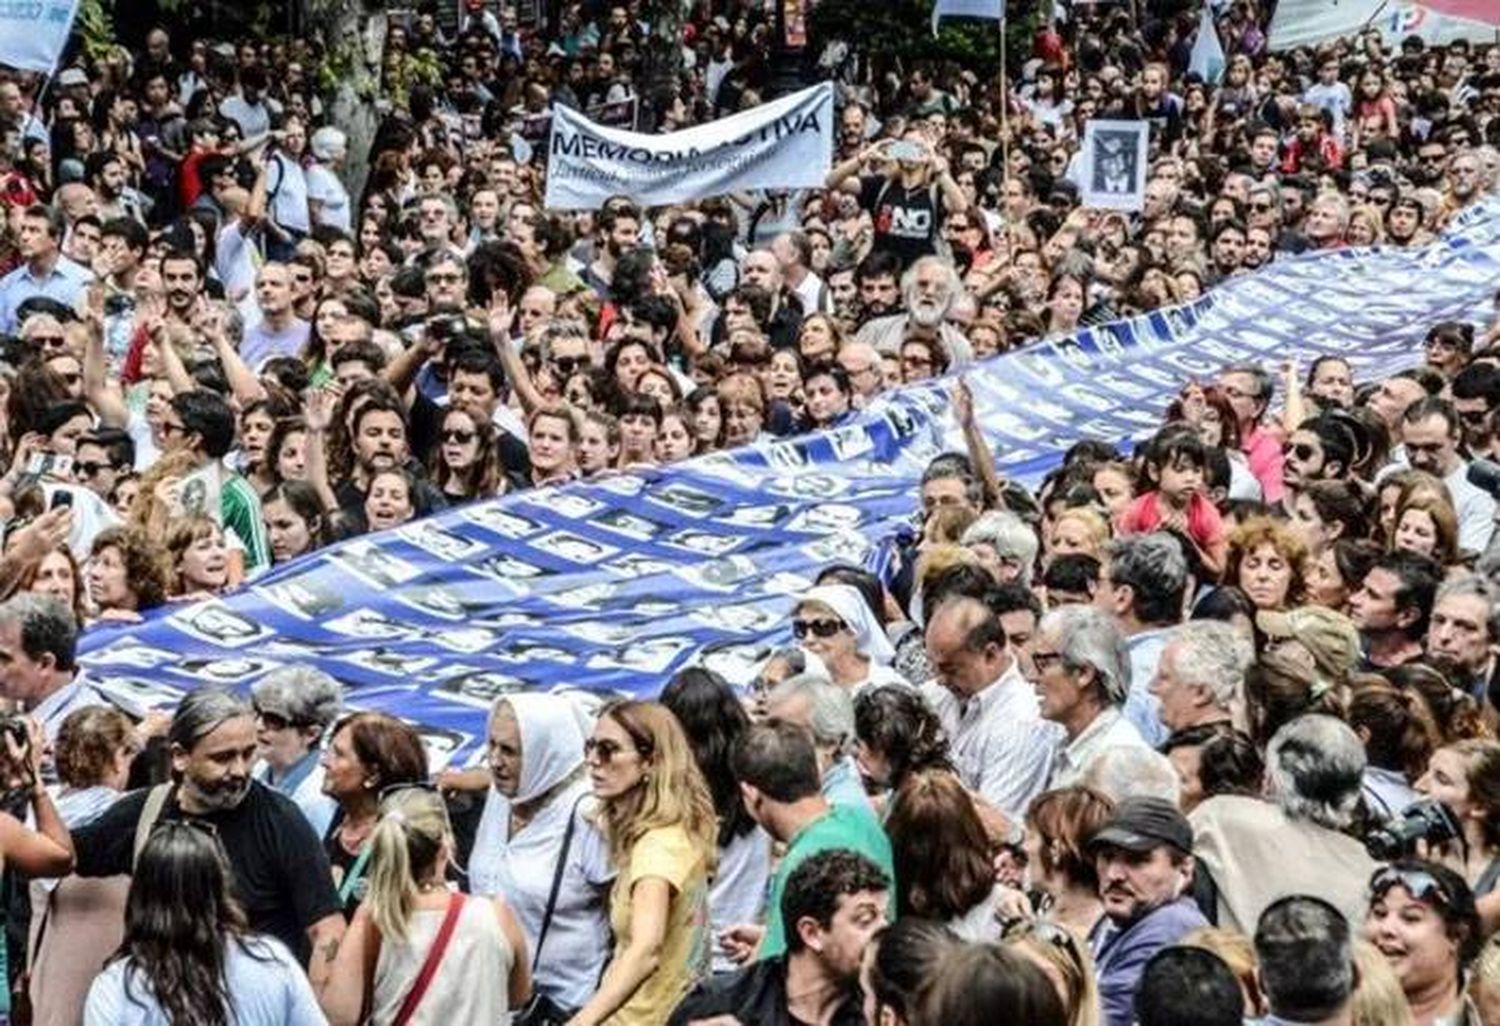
<point>404,849</point>
<point>392,893</point>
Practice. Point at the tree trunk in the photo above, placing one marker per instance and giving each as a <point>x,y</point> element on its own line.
<point>662,67</point>
<point>353,34</point>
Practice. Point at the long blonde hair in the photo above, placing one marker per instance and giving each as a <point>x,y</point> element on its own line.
<point>673,792</point>
<point>1378,998</point>
<point>411,833</point>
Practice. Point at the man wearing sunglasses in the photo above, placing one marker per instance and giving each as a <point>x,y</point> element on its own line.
<point>1321,449</point>
<point>1476,396</point>
<point>101,457</point>
<point>280,872</point>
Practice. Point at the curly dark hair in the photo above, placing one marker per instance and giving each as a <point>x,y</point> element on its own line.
<point>146,565</point>
<point>896,722</point>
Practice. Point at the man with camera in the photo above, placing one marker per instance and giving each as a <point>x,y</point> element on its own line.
<point>39,670</point>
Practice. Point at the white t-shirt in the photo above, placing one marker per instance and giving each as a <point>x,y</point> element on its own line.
<point>289,202</point>
<point>266,988</point>
<point>324,187</point>
<point>738,892</point>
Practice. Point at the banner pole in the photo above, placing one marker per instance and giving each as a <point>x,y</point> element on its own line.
<point>1004,131</point>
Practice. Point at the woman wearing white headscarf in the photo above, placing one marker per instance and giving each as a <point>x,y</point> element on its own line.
<point>834,623</point>
<point>537,804</point>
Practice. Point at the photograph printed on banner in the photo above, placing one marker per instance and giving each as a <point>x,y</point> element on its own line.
<point>786,455</point>
<point>574,505</point>
<point>718,574</point>
<point>389,662</point>
<point>478,689</point>
<point>372,564</point>
<point>736,662</point>
<point>783,582</point>
<point>445,545</point>
<point>707,543</point>
<point>369,623</point>
<point>645,607</point>
<point>224,671</point>
<point>491,517</point>
<point>130,653</point>
<point>638,564</point>
<point>137,696</point>
<point>745,618</point>
<point>510,618</point>
<point>600,632</point>
<point>522,650</point>
<point>758,516</point>
<point>838,547</point>
<point>438,600</point>
<point>827,516</point>
<point>689,501</point>
<point>808,486</point>
<point>648,655</point>
<point>850,442</point>
<point>300,597</point>
<point>626,485</point>
<point>217,624</point>
<point>619,521</point>
<point>441,744</point>
<point>572,547</point>
<point>510,571</point>
<point>586,596</point>
<point>468,640</point>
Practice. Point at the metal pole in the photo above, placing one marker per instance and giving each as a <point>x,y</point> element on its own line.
<point>1004,134</point>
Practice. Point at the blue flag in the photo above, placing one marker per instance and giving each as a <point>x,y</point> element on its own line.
<point>1207,58</point>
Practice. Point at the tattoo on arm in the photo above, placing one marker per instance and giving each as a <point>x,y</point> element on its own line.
<point>330,949</point>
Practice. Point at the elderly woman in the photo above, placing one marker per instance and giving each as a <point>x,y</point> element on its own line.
<point>1293,841</point>
<point>537,845</point>
<point>827,712</point>
<point>834,623</point>
<point>1006,547</point>
<point>294,707</point>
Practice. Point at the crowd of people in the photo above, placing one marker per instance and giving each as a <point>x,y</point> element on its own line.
<point>1199,731</point>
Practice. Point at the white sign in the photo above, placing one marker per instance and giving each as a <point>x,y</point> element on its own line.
<point>993,10</point>
<point>1308,22</point>
<point>784,144</point>
<point>33,32</point>
<point>1114,164</point>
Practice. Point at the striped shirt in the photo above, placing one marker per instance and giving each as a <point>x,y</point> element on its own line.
<point>239,508</point>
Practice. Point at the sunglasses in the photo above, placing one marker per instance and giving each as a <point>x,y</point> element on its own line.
<point>603,750</point>
<point>1474,416</point>
<point>459,436</point>
<point>444,279</point>
<point>1418,883</point>
<point>49,341</point>
<point>275,721</point>
<point>568,364</point>
<point>1301,450</point>
<point>89,468</point>
<point>816,628</point>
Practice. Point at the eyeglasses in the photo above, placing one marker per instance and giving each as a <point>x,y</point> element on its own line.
<point>602,749</point>
<point>88,468</point>
<point>1043,661</point>
<point>275,721</point>
<point>1419,883</point>
<point>168,429</point>
<point>459,436</point>
<point>452,278</point>
<point>49,341</point>
<point>1473,416</point>
<point>817,628</point>
<point>568,364</point>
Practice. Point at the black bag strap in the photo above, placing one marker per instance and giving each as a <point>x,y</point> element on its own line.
<point>557,875</point>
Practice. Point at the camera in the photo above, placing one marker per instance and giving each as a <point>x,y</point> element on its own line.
<point>1426,820</point>
<point>1485,475</point>
<point>14,727</point>
<point>447,328</point>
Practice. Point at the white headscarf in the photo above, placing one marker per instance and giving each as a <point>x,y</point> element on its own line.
<point>845,600</point>
<point>551,742</point>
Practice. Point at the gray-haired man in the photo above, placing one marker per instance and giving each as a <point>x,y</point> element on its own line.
<point>280,872</point>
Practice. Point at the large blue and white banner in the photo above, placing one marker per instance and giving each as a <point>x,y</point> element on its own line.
<point>611,585</point>
<point>34,32</point>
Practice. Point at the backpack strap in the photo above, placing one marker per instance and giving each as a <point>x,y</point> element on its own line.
<point>156,801</point>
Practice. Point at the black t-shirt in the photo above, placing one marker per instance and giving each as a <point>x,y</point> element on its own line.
<point>278,870</point>
<point>906,220</point>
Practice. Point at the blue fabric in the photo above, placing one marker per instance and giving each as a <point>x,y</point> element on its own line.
<point>1120,956</point>
<point>611,585</point>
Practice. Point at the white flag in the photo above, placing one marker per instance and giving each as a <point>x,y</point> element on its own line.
<point>994,10</point>
<point>32,34</point>
<point>1207,58</point>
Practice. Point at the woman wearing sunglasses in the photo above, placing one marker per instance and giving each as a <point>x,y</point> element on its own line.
<point>367,753</point>
<point>294,707</point>
<point>537,832</point>
<point>410,921</point>
<point>834,623</point>
<point>658,816</point>
<point>1422,919</point>
<point>1058,952</point>
<point>188,954</point>
<point>466,463</point>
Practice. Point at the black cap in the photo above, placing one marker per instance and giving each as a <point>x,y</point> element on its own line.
<point>1142,824</point>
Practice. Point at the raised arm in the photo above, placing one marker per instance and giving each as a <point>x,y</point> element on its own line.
<point>105,397</point>
<point>979,449</point>
<point>320,403</point>
<point>501,317</point>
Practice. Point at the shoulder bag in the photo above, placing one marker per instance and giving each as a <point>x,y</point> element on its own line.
<point>542,1010</point>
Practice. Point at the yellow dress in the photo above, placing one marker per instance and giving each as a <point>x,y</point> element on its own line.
<point>669,854</point>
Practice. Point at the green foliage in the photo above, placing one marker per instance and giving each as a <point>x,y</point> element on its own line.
<point>902,29</point>
<point>95,29</point>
